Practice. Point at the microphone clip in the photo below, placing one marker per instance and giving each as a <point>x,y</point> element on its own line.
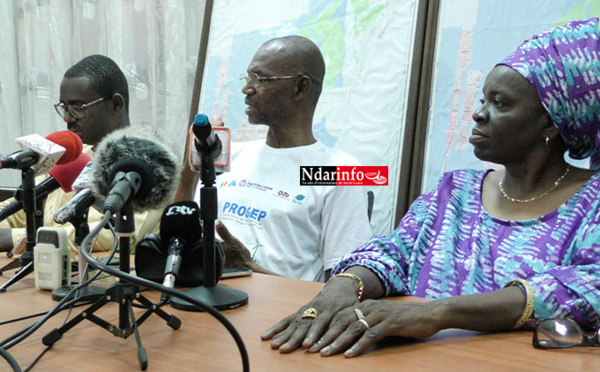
<point>22,160</point>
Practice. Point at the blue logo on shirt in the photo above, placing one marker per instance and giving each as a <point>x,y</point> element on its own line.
<point>244,211</point>
<point>298,199</point>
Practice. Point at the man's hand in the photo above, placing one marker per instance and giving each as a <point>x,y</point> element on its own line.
<point>236,253</point>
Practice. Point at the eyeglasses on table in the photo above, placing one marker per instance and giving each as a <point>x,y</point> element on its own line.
<point>556,333</point>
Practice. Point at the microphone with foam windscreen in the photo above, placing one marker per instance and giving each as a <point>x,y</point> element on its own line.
<point>41,153</point>
<point>61,175</point>
<point>135,164</point>
<point>67,173</point>
<point>70,141</point>
<point>179,228</point>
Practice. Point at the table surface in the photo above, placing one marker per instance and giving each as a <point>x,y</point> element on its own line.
<point>203,343</point>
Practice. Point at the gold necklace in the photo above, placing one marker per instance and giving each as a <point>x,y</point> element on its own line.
<point>515,200</point>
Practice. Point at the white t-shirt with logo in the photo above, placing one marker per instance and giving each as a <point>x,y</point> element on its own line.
<point>294,230</point>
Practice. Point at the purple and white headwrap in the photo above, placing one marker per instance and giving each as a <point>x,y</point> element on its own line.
<point>563,64</point>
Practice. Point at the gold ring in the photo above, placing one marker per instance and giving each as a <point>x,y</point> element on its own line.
<point>310,313</point>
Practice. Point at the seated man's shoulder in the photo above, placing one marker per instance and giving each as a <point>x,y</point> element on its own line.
<point>238,147</point>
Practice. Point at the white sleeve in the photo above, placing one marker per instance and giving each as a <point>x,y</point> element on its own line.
<point>345,223</point>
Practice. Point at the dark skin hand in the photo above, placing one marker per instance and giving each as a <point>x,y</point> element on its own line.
<point>388,319</point>
<point>337,327</point>
<point>236,253</point>
<point>294,332</point>
<point>338,294</point>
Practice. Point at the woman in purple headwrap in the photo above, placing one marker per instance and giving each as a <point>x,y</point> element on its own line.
<point>492,249</point>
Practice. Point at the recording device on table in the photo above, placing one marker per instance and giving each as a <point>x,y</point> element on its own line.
<point>51,252</point>
<point>52,258</point>
<point>235,272</point>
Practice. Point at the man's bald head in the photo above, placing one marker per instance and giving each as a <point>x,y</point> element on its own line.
<point>298,56</point>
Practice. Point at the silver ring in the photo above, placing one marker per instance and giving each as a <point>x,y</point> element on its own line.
<point>361,318</point>
<point>363,321</point>
<point>359,314</point>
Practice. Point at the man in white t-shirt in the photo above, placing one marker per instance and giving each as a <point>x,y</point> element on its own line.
<point>268,221</point>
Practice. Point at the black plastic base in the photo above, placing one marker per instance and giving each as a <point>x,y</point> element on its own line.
<point>219,297</point>
<point>90,292</point>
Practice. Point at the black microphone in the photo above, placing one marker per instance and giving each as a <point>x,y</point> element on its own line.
<point>61,175</point>
<point>179,228</point>
<point>208,141</point>
<point>205,139</point>
<point>135,164</point>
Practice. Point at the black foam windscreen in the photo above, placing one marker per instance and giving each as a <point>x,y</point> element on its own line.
<point>151,258</point>
<point>181,220</point>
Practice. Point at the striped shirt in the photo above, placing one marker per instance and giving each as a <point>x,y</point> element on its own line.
<point>448,245</point>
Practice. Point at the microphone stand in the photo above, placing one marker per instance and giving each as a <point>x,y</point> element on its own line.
<point>219,297</point>
<point>124,294</point>
<point>34,216</point>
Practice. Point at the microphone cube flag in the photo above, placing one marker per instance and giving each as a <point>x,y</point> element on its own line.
<point>50,152</point>
<point>222,161</point>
